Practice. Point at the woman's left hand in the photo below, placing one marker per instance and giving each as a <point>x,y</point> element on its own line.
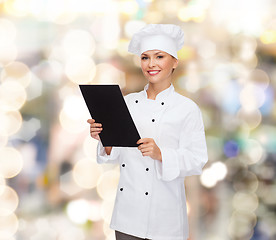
<point>149,148</point>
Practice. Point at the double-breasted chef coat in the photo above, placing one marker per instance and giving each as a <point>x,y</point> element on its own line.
<point>150,201</point>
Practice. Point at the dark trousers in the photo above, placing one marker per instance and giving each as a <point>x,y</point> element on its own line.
<point>123,236</point>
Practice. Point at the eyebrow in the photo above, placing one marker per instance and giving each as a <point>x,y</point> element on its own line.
<point>154,53</point>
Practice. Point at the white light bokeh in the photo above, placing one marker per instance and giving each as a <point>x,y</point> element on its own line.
<point>108,74</point>
<point>10,122</point>
<point>73,114</point>
<point>17,71</point>
<point>78,211</point>
<point>210,176</point>
<point>11,162</point>
<point>78,42</point>
<point>12,96</point>
<point>107,184</point>
<point>80,69</point>
<point>86,173</point>
<point>9,226</point>
<point>8,201</point>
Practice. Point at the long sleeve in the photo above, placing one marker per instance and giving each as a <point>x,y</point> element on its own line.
<point>102,156</point>
<point>190,156</point>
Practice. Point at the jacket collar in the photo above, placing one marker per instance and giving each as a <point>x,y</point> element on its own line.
<point>162,96</point>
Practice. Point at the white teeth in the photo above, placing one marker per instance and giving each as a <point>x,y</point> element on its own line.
<point>153,72</point>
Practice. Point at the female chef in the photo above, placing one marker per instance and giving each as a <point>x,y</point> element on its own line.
<point>150,201</point>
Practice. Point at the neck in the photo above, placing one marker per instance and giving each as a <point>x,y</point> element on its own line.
<point>155,88</point>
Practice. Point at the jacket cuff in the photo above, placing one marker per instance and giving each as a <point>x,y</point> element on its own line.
<point>168,169</point>
<point>103,157</point>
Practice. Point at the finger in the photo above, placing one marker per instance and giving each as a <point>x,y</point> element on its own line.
<point>95,129</point>
<point>90,121</point>
<point>149,149</point>
<point>144,140</point>
<point>96,132</point>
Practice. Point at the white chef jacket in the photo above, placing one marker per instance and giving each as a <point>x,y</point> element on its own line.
<point>150,201</point>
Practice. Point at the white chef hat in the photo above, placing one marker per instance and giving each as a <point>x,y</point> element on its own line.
<point>165,37</point>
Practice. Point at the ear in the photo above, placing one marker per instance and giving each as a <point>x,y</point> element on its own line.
<point>175,64</point>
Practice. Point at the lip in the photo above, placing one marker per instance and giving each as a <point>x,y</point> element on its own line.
<point>153,72</point>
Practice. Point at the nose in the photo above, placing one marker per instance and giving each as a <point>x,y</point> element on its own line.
<point>152,62</point>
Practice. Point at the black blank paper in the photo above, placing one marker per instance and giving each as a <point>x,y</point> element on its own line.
<point>107,106</point>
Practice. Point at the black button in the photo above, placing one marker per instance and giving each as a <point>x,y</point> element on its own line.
<point>123,165</point>
<point>153,120</point>
<point>162,103</point>
<point>121,189</point>
<point>147,169</point>
<point>136,101</point>
<point>146,193</point>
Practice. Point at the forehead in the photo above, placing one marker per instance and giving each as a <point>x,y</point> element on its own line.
<point>153,52</point>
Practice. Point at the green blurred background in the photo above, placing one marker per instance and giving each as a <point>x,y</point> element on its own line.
<point>50,184</point>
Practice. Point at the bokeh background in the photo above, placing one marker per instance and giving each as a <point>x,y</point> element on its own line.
<point>50,184</point>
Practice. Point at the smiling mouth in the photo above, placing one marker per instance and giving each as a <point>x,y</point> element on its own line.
<point>153,72</point>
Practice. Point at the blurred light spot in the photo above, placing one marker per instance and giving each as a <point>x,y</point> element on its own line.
<point>2,184</point>
<point>243,201</point>
<point>207,179</point>
<point>78,211</point>
<point>207,49</point>
<point>3,140</point>
<point>133,26</point>
<point>12,96</point>
<point>29,129</point>
<point>8,201</point>
<point>7,32</point>
<point>241,224</point>
<point>90,148</point>
<point>269,195</point>
<point>246,181</point>
<point>128,7</point>
<point>78,42</point>
<point>254,150</point>
<point>11,162</point>
<point>9,226</point>
<point>252,119</point>
<point>231,148</point>
<point>154,16</point>
<point>95,211</point>
<point>80,69</point>
<point>71,233</point>
<point>210,176</point>
<point>8,53</point>
<point>86,173</point>
<point>107,184</point>
<point>268,37</point>
<point>251,97</point>
<point>44,230</point>
<point>47,71</point>
<point>191,13</point>
<point>74,114</point>
<point>10,122</point>
<point>108,74</point>
<point>106,210</point>
<point>68,185</point>
<point>186,53</point>
<point>260,78</point>
<point>16,8</point>
<point>17,71</point>
<point>122,47</point>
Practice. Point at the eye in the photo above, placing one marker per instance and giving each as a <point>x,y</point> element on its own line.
<point>159,56</point>
<point>144,58</point>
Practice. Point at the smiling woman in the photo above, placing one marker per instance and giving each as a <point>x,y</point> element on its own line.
<point>150,201</point>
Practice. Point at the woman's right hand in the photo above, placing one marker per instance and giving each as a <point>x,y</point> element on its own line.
<point>95,129</point>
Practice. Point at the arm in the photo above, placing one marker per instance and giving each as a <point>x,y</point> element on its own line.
<point>190,156</point>
<point>104,154</point>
